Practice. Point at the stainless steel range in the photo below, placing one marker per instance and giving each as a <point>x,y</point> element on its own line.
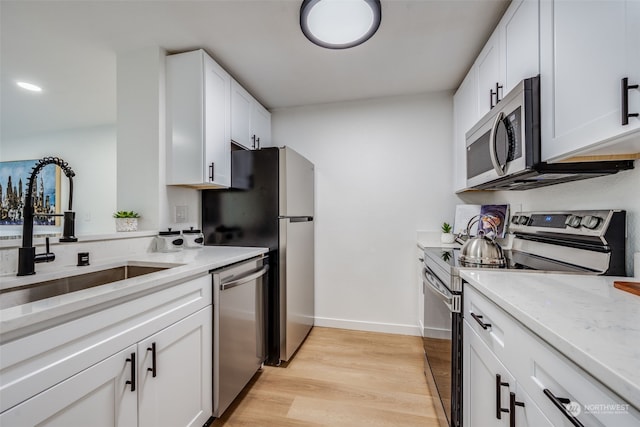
<point>579,242</point>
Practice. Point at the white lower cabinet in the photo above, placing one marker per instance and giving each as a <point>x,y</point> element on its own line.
<point>143,362</point>
<point>164,380</point>
<point>99,396</point>
<point>538,386</point>
<point>174,374</point>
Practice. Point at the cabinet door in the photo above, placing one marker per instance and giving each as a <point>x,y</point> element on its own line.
<point>585,51</point>
<point>481,395</point>
<point>217,117</point>
<point>241,106</point>
<point>521,48</point>
<point>261,125</point>
<point>488,74</point>
<point>527,413</point>
<point>175,383</point>
<point>198,121</point>
<point>465,116</point>
<point>97,396</point>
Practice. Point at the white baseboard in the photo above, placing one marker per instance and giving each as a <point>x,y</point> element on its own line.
<point>357,325</point>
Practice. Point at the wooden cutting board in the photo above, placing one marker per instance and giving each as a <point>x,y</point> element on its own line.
<point>631,287</point>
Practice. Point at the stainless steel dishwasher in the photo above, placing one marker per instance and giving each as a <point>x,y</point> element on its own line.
<point>238,327</point>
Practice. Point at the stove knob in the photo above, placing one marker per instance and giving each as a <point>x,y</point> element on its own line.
<point>514,219</point>
<point>591,222</point>
<point>573,221</point>
<point>524,220</point>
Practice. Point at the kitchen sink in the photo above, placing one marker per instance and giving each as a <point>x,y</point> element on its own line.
<point>50,288</point>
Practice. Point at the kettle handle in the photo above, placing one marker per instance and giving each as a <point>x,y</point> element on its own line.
<point>476,218</point>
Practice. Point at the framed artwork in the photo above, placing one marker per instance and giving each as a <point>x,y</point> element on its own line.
<point>13,188</point>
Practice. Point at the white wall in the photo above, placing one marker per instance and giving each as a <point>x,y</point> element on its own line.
<point>619,191</point>
<point>91,153</point>
<point>142,144</point>
<point>382,172</point>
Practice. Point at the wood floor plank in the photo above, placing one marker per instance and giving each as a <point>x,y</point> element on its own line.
<point>340,378</point>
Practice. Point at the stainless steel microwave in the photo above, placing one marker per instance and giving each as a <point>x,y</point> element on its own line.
<point>506,140</point>
<point>504,148</point>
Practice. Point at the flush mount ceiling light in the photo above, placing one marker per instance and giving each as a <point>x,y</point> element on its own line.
<point>29,86</point>
<point>340,24</point>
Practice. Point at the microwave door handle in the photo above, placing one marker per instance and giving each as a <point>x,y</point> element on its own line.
<point>500,169</point>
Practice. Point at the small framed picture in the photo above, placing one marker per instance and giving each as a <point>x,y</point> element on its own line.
<point>14,178</point>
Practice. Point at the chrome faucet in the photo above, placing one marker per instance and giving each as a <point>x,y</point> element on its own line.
<point>27,257</point>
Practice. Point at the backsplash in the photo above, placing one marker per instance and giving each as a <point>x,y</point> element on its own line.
<point>619,191</point>
<point>100,249</point>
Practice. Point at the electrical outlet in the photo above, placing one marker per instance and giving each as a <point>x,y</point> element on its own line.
<point>182,213</point>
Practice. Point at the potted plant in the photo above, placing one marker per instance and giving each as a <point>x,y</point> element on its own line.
<point>126,220</point>
<point>447,236</point>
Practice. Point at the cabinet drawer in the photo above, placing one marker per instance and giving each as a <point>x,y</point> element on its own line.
<point>33,363</point>
<point>498,330</point>
<point>541,367</point>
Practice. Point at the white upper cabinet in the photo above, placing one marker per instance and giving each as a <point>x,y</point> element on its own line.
<point>198,121</point>
<point>465,113</point>
<point>488,75</point>
<point>250,121</point>
<point>520,43</point>
<point>510,55</point>
<point>587,48</point>
<point>261,125</point>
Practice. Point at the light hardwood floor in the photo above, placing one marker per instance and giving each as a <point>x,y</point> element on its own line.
<point>340,378</point>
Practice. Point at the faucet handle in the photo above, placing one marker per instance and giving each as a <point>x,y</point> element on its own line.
<point>47,256</point>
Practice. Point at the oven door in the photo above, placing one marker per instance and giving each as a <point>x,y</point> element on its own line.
<point>441,346</point>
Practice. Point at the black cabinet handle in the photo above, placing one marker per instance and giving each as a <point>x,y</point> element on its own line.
<point>478,319</point>
<point>499,385</point>
<point>559,403</point>
<point>253,138</point>
<point>258,142</point>
<point>211,166</point>
<point>512,409</point>
<point>132,360</point>
<point>625,86</point>
<point>153,368</point>
<point>496,93</point>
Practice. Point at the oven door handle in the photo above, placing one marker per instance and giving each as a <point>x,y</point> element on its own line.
<point>450,300</point>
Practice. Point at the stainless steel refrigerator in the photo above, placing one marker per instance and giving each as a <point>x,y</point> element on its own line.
<point>271,204</point>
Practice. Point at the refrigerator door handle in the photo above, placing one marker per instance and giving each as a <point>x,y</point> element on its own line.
<point>297,218</point>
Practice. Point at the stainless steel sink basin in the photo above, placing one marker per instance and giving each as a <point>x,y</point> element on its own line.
<point>51,288</point>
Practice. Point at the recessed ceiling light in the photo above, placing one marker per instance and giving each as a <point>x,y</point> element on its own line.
<point>29,86</point>
<point>340,24</point>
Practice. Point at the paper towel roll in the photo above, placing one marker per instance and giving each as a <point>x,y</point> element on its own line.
<point>636,264</point>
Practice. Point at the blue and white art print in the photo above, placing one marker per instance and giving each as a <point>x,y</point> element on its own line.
<point>13,188</point>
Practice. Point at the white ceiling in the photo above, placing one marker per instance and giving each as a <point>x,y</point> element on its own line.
<point>70,47</point>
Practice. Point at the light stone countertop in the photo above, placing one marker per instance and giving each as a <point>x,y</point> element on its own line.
<point>186,264</point>
<point>585,318</point>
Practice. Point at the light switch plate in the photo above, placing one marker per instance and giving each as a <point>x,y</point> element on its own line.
<point>182,213</point>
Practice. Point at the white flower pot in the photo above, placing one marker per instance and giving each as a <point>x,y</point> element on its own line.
<point>126,224</point>
<point>447,238</point>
